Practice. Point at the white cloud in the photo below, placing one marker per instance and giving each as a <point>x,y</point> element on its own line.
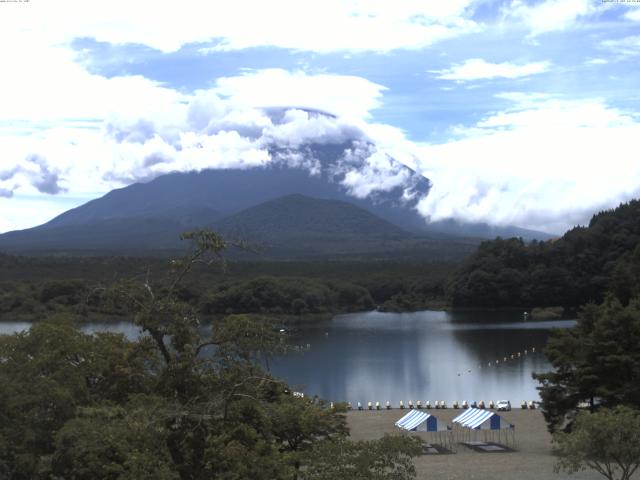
<point>633,14</point>
<point>341,95</point>
<point>477,69</point>
<point>546,163</point>
<point>331,25</point>
<point>380,172</point>
<point>596,61</point>
<point>42,83</point>
<point>139,129</point>
<point>550,15</point>
<point>623,47</point>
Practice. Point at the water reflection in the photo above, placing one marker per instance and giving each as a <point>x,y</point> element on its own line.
<point>427,355</point>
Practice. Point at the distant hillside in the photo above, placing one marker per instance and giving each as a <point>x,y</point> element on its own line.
<point>299,216</point>
<point>299,226</point>
<point>148,217</point>
<point>198,198</point>
<point>578,268</point>
<point>220,193</point>
<point>289,227</point>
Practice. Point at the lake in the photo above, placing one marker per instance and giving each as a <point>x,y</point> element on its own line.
<point>428,355</point>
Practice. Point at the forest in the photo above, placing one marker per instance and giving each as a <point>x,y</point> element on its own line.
<point>32,288</point>
<point>576,269</point>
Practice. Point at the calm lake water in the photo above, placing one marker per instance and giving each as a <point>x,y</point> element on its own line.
<point>427,355</point>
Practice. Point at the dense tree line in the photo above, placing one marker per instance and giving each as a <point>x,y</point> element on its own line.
<point>81,286</point>
<point>296,296</point>
<point>571,271</point>
<point>172,405</point>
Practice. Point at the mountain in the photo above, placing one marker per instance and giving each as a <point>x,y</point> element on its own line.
<point>296,225</point>
<point>150,215</point>
<point>301,216</point>
<point>228,191</point>
<point>292,226</point>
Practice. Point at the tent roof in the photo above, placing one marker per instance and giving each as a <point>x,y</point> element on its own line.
<point>475,418</point>
<point>412,419</point>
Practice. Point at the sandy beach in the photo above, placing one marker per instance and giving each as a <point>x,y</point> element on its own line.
<point>532,458</point>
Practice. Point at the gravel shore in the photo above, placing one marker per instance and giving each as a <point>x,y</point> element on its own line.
<point>532,458</point>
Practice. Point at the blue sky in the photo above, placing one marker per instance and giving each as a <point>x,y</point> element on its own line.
<point>519,112</point>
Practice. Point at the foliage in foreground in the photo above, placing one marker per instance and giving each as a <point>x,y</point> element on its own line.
<point>607,441</point>
<point>597,362</point>
<point>172,404</point>
<point>387,458</point>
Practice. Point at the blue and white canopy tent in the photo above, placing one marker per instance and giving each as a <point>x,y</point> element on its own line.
<point>490,423</point>
<point>418,421</point>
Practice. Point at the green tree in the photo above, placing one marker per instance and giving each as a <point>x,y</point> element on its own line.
<point>173,404</point>
<point>50,371</point>
<point>607,441</point>
<point>598,362</point>
<point>114,443</point>
<point>387,458</point>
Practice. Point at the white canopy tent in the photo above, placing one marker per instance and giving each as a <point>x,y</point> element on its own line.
<point>418,421</point>
<point>475,419</point>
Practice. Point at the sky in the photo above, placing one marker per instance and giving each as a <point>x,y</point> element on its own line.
<point>519,112</point>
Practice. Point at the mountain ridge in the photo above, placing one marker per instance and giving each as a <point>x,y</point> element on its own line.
<point>151,215</point>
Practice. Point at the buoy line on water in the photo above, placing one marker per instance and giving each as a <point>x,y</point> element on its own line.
<point>501,360</point>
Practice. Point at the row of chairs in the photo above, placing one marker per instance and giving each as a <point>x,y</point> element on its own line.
<point>439,404</point>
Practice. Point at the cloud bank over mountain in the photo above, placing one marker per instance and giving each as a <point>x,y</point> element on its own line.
<point>543,161</point>
<point>527,121</point>
<point>234,125</point>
